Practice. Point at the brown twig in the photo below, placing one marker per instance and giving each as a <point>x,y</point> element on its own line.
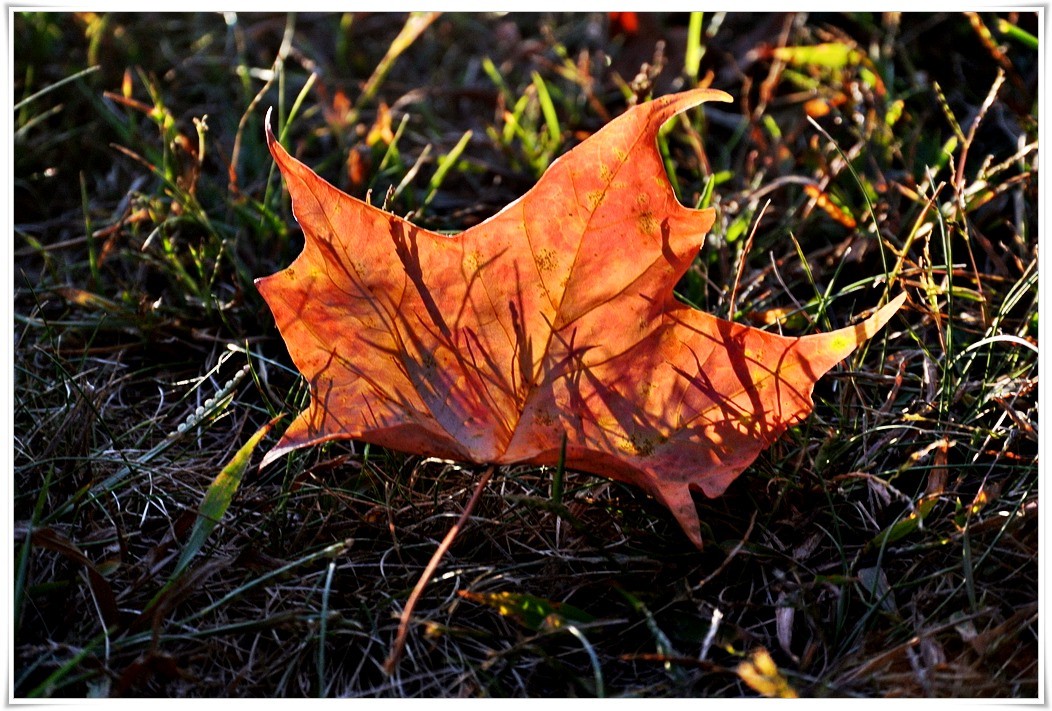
<point>741,261</point>
<point>436,558</point>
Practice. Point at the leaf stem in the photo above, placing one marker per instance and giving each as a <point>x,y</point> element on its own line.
<point>425,577</point>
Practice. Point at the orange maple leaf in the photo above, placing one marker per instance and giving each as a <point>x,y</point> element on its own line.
<point>553,319</point>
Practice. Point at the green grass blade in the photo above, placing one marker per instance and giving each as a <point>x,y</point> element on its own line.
<point>445,163</point>
<point>392,148</point>
<point>695,47</point>
<point>551,116</point>
<point>51,87</point>
<point>22,563</point>
<point>414,27</point>
<point>218,497</point>
<point>296,106</point>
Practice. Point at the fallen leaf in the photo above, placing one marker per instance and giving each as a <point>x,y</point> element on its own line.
<point>553,319</point>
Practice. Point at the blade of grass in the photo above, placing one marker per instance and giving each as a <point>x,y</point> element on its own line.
<point>296,106</point>
<point>218,497</point>
<point>408,177</point>
<point>392,148</point>
<point>551,116</point>
<point>93,255</point>
<point>51,87</point>
<point>497,78</point>
<point>413,28</point>
<point>328,551</point>
<point>871,210</point>
<point>670,164</point>
<point>323,626</point>
<point>22,569</point>
<point>445,164</point>
<point>593,658</point>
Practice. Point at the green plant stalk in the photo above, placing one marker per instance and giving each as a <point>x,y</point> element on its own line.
<point>343,39</point>
<point>1017,33</point>
<point>821,298</point>
<point>498,79</point>
<point>513,124</point>
<point>670,165</point>
<point>392,152</point>
<point>695,47</point>
<point>85,207</point>
<point>296,105</point>
<point>445,163</point>
<point>410,174</point>
<point>662,644</point>
<point>951,118</point>
<point>707,191</point>
<point>328,551</point>
<point>24,127</point>
<point>869,206</point>
<point>946,395</point>
<point>48,686</point>
<point>967,571</point>
<point>94,32</point>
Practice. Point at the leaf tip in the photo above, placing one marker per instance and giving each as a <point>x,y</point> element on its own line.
<point>274,454</point>
<point>267,129</point>
<point>848,339</point>
<point>717,95</point>
<point>878,320</point>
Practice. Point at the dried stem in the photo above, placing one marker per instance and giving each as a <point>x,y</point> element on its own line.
<point>440,552</point>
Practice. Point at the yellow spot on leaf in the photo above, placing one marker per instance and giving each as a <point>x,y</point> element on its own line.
<point>839,343</point>
<point>472,262</point>
<point>546,259</point>
<point>648,224</point>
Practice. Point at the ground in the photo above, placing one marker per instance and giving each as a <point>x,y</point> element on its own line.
<point>886,546</point>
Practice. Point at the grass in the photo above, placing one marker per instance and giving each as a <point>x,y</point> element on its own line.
<point>886,546</point>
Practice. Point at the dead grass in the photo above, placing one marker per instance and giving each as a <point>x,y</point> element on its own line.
<point>885,547</point>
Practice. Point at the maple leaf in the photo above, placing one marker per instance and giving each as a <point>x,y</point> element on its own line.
<point>553,319</point>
